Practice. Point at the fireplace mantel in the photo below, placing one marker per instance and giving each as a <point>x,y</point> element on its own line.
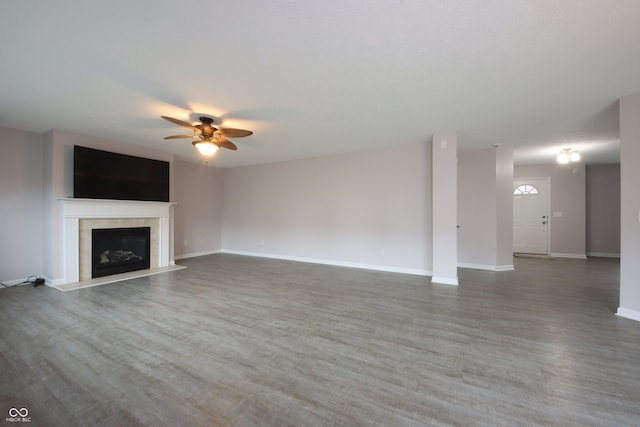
<point>76,209</point>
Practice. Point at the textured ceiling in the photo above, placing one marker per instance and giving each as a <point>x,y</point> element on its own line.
<point>315,78</point>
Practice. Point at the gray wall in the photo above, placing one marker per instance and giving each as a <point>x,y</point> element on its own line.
<point>37,170</point>
<point>366,209</point>
<point>589,199</point>
<point>362,209</point>
<point>568,195</point>
<point>370,209</point>
<point>603,210</point>
<point>21,205</point>
<point>198,213</point>
<point>485,206</point>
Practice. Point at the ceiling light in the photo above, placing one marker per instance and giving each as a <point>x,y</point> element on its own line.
<point>563,158</point>
<point>574,156</point>
<point>568,155</point>
<point>206,148</point>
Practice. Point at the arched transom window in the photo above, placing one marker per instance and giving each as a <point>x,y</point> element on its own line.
<point>525,189</point>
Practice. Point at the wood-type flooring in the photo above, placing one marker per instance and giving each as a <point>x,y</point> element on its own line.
<point>243,341</point>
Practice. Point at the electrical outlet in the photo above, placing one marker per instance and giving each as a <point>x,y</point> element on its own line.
<point>381,251</point>
<point>186,243</point>
<point>262,242</point>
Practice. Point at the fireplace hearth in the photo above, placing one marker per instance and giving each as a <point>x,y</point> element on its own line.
<point>119,250</point>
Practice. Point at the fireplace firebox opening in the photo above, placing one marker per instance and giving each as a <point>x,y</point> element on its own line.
<point>119,250</point>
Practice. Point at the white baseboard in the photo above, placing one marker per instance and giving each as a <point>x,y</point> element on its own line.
<point>445,280</point>
<point>55,282</point>
<point>629,314</point>
<point>389,269</point>
<point>486,267</point>
<point>196,254</point>
<point>573,256</point>
<point>603,255</point>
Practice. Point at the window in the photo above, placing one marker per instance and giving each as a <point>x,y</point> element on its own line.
<point>525,189</point>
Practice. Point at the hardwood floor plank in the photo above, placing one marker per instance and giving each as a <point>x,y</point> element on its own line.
<point>239,341</point>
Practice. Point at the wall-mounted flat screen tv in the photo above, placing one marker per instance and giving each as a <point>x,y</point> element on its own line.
<point>101,174</point>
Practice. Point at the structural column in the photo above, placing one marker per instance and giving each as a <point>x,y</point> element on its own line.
<point>445,187</point>
<point>629,207</point>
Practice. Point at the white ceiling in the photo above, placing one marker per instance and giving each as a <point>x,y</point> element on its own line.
<point>315,78</point>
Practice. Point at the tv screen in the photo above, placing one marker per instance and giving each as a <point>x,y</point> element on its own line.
<point>101,174</point>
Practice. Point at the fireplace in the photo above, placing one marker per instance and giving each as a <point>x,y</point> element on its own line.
<point>119,250</point>
<point>81,216</point>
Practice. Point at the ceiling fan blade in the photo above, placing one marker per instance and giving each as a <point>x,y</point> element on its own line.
<point>180,136</point>
<point>235,133</point>
<point>225,143</point>
<point>180,122</point>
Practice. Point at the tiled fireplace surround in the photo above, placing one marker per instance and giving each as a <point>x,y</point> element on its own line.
<point>80,216</point>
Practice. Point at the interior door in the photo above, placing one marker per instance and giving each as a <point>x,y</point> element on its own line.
<point>531,216</point>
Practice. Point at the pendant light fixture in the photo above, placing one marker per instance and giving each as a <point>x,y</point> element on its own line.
<point>568,155</point>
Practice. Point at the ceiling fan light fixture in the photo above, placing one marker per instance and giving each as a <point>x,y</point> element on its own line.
<point>211,138</point>
<point>206,148</point>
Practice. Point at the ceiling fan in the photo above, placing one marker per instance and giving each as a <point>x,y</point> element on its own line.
<point>208,139</point>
